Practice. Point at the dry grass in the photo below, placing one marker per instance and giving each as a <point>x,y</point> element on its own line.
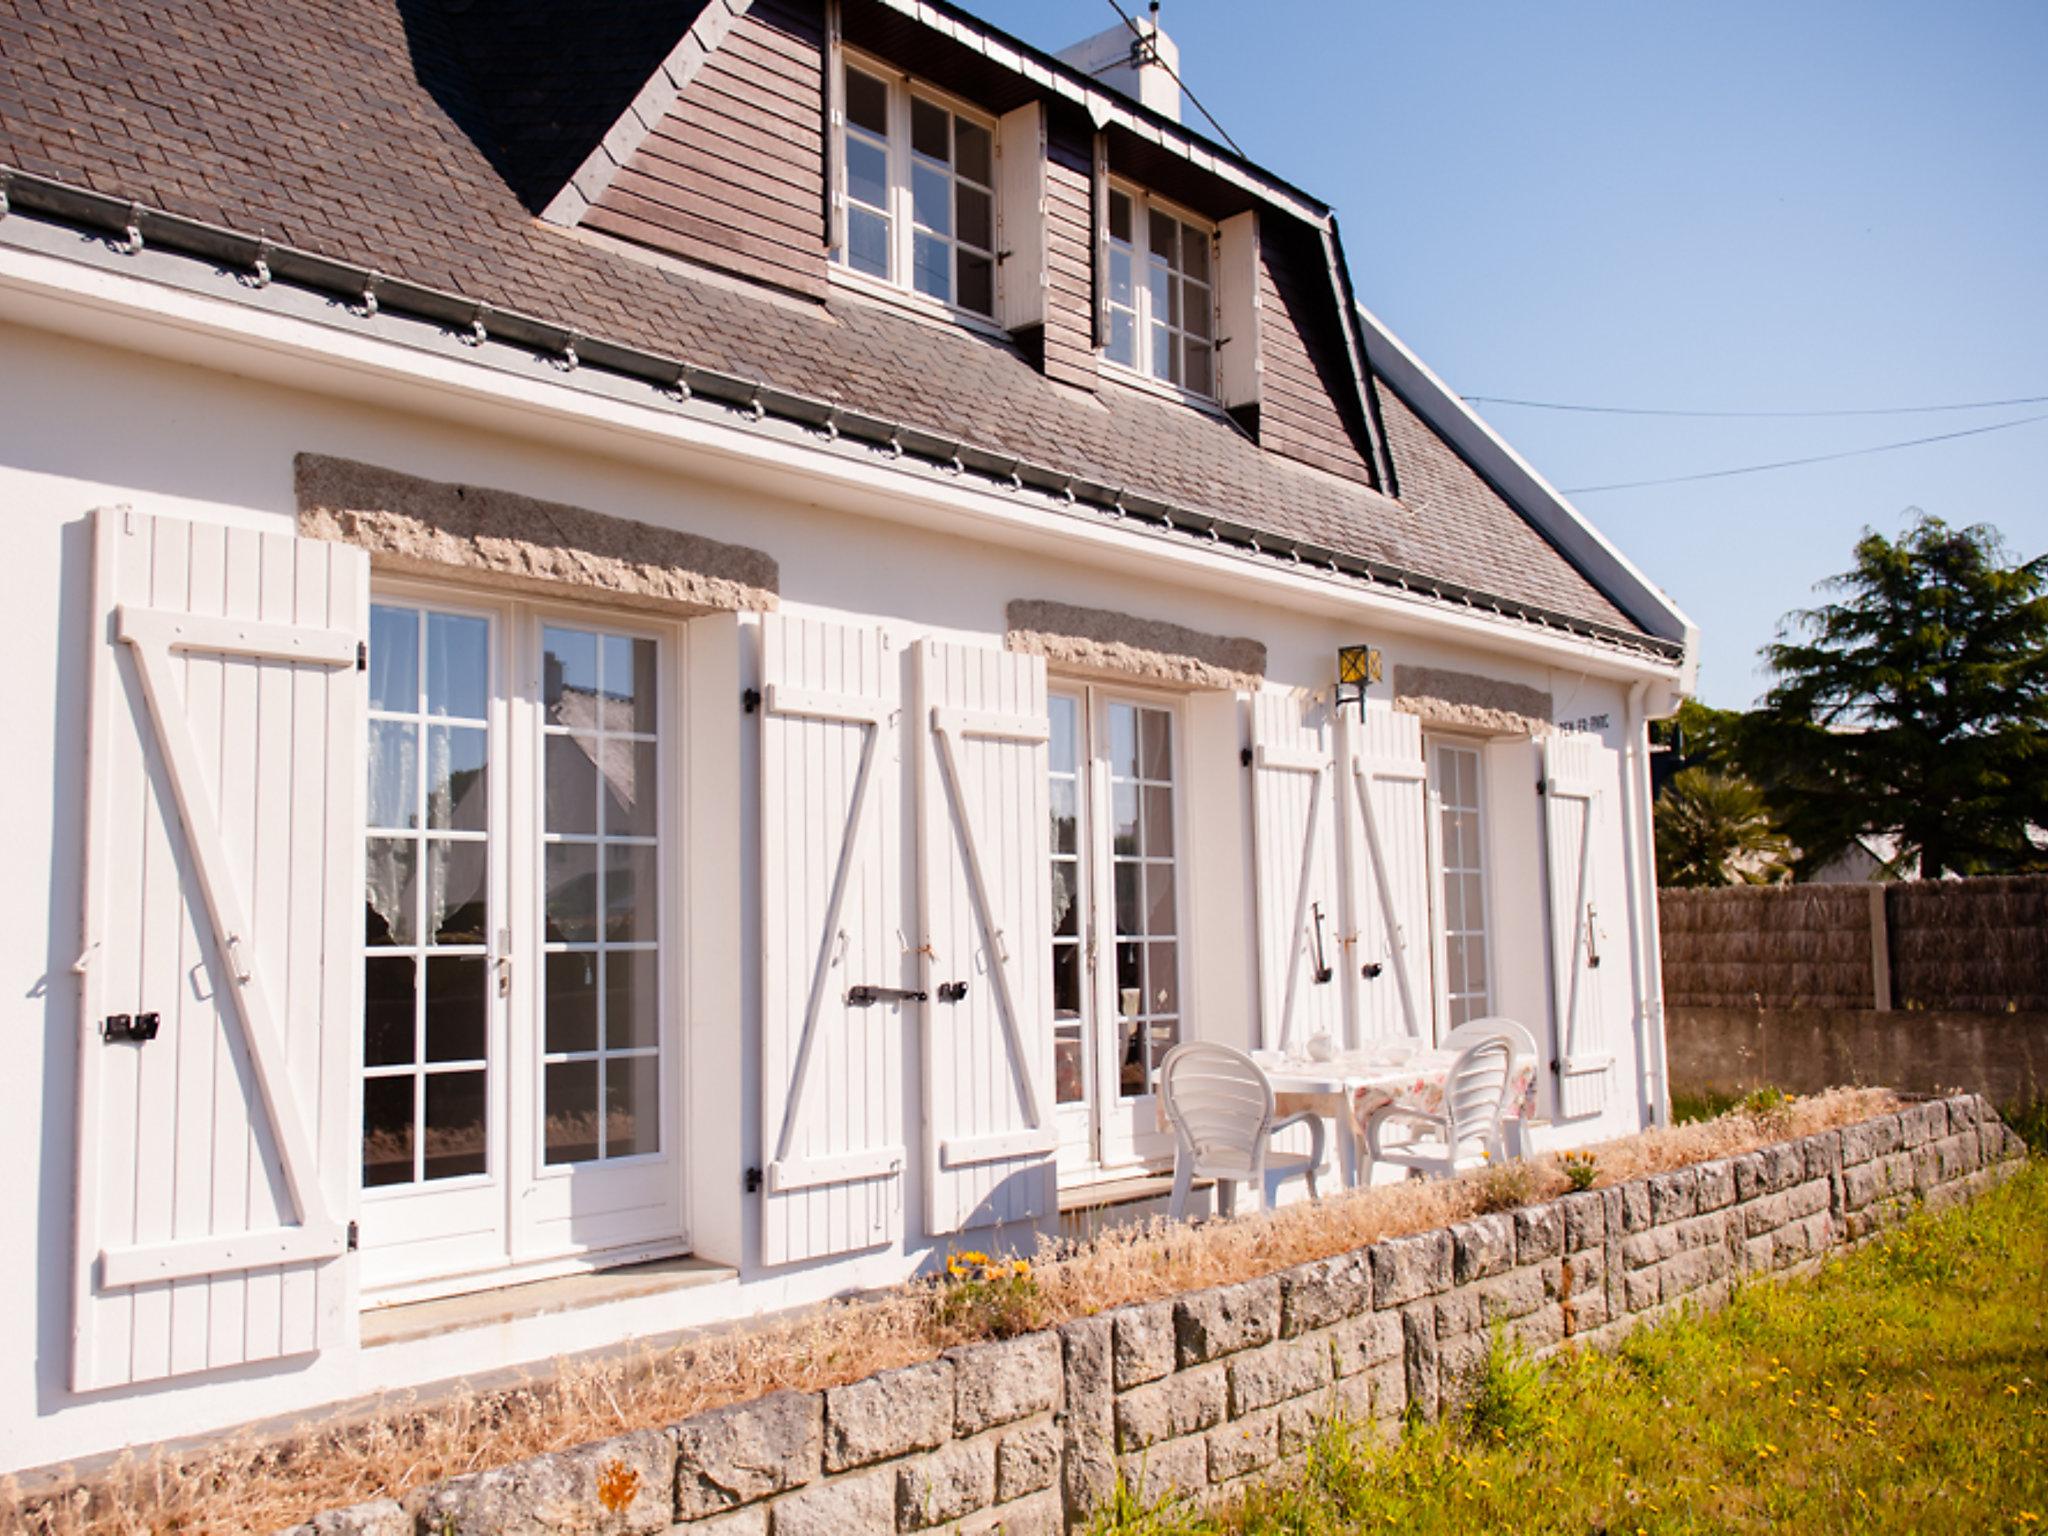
<point>244,1485</point>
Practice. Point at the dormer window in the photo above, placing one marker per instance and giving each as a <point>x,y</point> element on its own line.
<point>1162,296</point>
<point>919,190</point>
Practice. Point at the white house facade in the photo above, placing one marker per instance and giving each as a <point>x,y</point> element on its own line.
<point>656,663</point>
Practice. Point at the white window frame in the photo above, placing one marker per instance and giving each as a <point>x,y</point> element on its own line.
<point>1141,364</point>
<point>521,1188</point>
<point>1440,929</point>
<point>900,282</point>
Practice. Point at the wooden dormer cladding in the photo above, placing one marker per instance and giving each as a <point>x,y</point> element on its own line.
<point>1069,335</point>
<point>1307,407</point>
<point>733,175</point>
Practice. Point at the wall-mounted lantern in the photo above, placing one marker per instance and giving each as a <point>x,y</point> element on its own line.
<point>1357,665</point>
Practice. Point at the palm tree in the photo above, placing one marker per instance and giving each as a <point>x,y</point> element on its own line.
<point>1714,829</point>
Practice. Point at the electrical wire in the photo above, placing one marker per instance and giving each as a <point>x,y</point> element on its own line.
<point>1635,410</point>
<point>1194,100</point>
<point>1818,458</point>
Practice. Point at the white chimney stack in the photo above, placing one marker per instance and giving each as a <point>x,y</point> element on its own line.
<point>1141,64</point>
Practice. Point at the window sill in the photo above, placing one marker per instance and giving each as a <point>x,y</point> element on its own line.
<point>1145,384</point>
<point>404,1322</point>
<point>917,305</point>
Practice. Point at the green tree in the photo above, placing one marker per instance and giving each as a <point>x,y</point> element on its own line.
<point>1714,829</point>
<point>1915,704</point>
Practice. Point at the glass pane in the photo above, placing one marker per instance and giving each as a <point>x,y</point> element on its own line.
<point>977,284</point>
<point>867,173</point>
<point>1064,715</point>
<point>569,676</point>
<point>1159,900</point>
<point>1119,217</point>
<point>1454,904</point>
<point>1123,338</point>
<point>1162,354</point>
<point>1194,309</point>
<point>1123,810</point>
<point>630,889</point>
<point>457,911</point>
<point>455,1124</point>
<point>458,782</point>
<point>571,800</point>
<point>1066,908</point>
<point>1468,837</point>
<point>1066,821</point>
<point>1201,376</point>
<point>1475,902</point>
<point>632,1103</point>
<point>1128,917</point>
<point>629,686</point>
<point>931,129</point>
<point>571,1003</point>
<point>394,774</point>
<point>571,893</point>
<point>1162,234</point>
<point>1159,281</point>
<point>1158,821</point>
<point>1066,981</point>
<point>388,1010</point>
<point>1123,740</point>
<point>632,998</point>
<point>1070,1082</point>
<point>931,199</point>
<point>571,1129</point>
<point>1454,853</point>
<point>976,213</point>
<point>457,997</point>
<point>1475,964</point>
<point>387,1130</point>
<point>1130,981</point>
<point>630,784</point>
<point>1157,762</point>
<point>1162,978</point>
<point>458,665</point>
<point>1120,289</point>
<point>1194,253</point>
<point>1132,1077</point>
<point>974,151</point>
<point>391,891</point>
<point>1454,965</point>
<point>867,242</point>
<point>867,102</point>
<point>933,262</point>
<point>395,659</point>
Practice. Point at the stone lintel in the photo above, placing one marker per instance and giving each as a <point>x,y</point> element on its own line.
<point>1467,701</point>
<point>1103,643</point>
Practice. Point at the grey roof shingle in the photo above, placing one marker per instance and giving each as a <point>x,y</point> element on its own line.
<point>363,130</point>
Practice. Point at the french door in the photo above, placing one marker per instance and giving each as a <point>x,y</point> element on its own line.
<point>519,1069</point>
<point>1464,961</point>
<point>1118,963</point>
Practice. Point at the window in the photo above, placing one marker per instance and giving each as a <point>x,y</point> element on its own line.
<point>515,1061</point>
<point>920,192</point>
<point>1461,854</point>
<point>1117,962</point>
<point>1161,294</point>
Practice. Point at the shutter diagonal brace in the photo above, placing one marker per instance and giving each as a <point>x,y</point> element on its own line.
<point>786,1172</point>
<point>153,635</point>
<point>1558,791</point>
<point>946,723</point>
<point>1397,938</point>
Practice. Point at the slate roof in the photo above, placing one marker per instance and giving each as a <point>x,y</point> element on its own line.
<point>363,130</point>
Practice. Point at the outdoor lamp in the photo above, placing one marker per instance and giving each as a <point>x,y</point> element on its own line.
<point>1357,665</point>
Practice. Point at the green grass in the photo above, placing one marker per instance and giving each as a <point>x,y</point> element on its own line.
<point>1903,1389</point>
<point>1712,1103</point>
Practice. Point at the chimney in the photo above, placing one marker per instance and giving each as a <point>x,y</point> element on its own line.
<point>1140,64</point>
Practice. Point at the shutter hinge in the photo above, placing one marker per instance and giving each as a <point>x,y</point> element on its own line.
<point>1539,787</point>
<point>362,655</point>
<point>753,1181</point>
<point>750,700</point>
<point>1245,756</point>
<point>355,1237</point>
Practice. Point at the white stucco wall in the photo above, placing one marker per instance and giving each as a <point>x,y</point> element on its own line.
<point>83,426</point>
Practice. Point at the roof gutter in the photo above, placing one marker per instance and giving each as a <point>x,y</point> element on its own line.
<point>257,262</point>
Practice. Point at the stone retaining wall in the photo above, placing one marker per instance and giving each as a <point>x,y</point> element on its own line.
<point>1213,1389</point>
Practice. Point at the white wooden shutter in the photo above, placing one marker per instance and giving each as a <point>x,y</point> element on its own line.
<point>1294,837</point>
<point>223,898</point>
<point>1386,847</point>
<point>985,861</point>
<point>1579,777</point>
<point>1020,217</point>
<point>831,923</point>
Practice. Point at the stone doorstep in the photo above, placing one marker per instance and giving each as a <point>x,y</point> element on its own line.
<point>403,1322</point>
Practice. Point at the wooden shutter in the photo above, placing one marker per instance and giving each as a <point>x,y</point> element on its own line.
<point>223,901</point>
<point>1386,848</point>
<point>831,923</point>
<point>1578,843</point>
<point>1099,212</point>
<point>1294,841</point>
<point>985,862</point>
<point>1020,217</point>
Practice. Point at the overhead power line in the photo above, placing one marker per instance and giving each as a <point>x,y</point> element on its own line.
<point>1644,410</point>
<point>1159,59</point>
<point>1818,458</point>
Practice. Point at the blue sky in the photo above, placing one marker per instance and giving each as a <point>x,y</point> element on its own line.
<point>1724,206</point>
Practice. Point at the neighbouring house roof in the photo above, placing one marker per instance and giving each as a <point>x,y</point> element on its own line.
<point>419,138</point>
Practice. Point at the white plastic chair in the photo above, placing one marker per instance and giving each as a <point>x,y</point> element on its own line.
<point>1467,1131</point>
<point>1221,1108</point>
<point>1472,1031</point>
